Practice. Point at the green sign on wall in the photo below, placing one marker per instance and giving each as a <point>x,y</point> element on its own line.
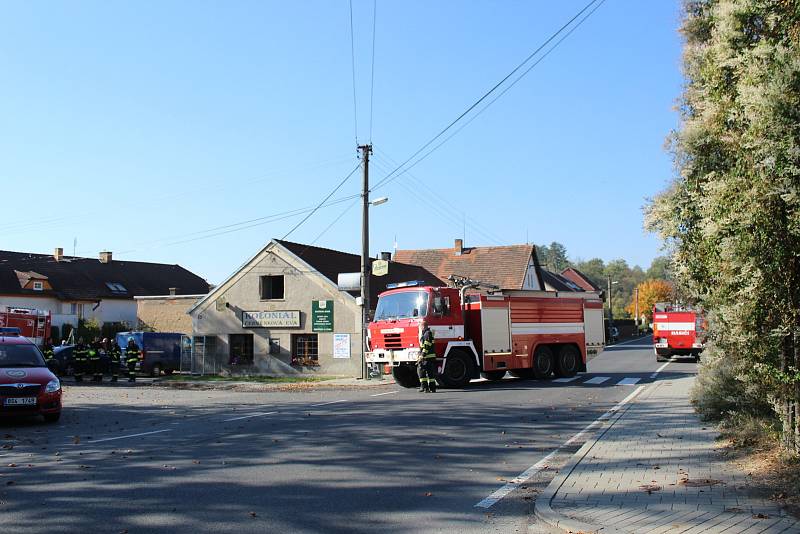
<point>322,316</point>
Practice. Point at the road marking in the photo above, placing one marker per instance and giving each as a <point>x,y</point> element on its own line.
<point>326,403</point>
<point>514,483</point>
<point>131,435</point>
<point>628,381</point>
<point>659,370</point>
<point>565,380</point>
<point>387,393</point>
<point>248,416</point>
<point>597,380</point>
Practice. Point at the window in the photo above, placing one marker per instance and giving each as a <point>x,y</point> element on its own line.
<point>241,349</point>
<point>116,287</point>
<point>272,287</point>
<point>304,349</point>
<point>38,286</point>
<point>274,345</point>
<point>73,308</point>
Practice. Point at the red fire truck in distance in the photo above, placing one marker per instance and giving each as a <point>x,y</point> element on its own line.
<point>677,331</point>
<point>31,323</point>
<point>526,333</point>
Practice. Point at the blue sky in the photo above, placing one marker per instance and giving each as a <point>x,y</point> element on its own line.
<point>138,126</point>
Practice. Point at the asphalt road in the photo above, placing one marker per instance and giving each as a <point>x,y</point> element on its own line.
<point>150,459</point>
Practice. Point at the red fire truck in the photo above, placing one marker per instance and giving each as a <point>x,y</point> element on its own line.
<point>31,323</point>
<point>677,331</point>
<point>526,333</point>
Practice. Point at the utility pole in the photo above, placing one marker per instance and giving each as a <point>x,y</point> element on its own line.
<point>366,150</point>
<point>636,290</point>
<point>610,312</point>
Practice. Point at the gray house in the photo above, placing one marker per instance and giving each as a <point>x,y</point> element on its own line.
<point>282,313</point>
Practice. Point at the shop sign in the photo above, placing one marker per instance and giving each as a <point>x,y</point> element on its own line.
<point>271,319</point>
<point>322,316</point>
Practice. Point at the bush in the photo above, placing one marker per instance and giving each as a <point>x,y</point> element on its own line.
<point>723,392</point>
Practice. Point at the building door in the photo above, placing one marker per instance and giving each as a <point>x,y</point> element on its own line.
<point>241,349</point>
<point>304,349</point>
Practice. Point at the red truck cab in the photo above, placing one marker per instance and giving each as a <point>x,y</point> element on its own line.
<point>677,331</point>
<point>27,386</point>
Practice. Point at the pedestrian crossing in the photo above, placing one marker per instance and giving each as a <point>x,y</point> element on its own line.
<point>599,380</point>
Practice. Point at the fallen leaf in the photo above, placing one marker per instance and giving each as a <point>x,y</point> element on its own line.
<point>253,514</point>
<point>760,516</point>
<point>428,494</point>
<point>11,465</point>
<point>76,440</point>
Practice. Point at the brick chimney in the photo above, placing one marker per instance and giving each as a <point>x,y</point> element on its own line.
<point>58,254</point>
<point>105,256</point>
<point>459,247</point>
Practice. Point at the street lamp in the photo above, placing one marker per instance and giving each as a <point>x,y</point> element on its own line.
<point>378,201</point>
<point>610,312</point>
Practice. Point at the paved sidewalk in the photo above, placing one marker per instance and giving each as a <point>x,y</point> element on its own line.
<point>655,469</point>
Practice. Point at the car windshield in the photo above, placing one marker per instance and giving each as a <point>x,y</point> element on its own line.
<point>402,305</point>
<point>20,356</point>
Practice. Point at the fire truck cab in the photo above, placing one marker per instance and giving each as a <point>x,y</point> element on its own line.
<point>677,331</point>
<point>526,333</point>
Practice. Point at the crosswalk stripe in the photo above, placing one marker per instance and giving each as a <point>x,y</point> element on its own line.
<point>628,381</point>
<point>565,380</point>
<point>598,380</point>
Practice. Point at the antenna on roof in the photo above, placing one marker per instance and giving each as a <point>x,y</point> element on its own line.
<point>74,245</point>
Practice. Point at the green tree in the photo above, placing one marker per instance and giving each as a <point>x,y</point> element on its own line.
<point>732,216</point>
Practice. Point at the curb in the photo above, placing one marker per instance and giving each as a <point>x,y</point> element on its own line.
<point>542,509</point>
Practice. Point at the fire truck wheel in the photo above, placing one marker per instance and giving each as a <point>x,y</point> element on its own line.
<point>457,370</point>
<point>493,375</point>
<point>405,376</point>
<point>543,362</point>
<point>567,362</point>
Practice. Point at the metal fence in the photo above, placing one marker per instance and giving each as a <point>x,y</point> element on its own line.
<point>199,355</point>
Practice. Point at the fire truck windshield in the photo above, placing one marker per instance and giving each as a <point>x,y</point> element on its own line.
<point>402,305</point>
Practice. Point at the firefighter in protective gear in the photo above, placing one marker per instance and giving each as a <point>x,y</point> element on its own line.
<point>426,362</point>
<point>49,355</point>
<point>80,356</point>
<point>94,360</point>
<point>131,359</point>
<point>114,357</point>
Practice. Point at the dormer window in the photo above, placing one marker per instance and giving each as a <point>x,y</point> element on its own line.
<point>38,286</point>
<point>116,287</point>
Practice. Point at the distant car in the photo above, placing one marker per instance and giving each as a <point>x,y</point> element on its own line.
<point>64,357</point>
<point>160,351</point>
<point>27,386</point>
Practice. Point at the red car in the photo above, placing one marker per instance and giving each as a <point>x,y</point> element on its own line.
<point>27,386</point>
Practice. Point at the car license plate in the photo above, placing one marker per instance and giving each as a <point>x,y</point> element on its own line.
<point>20,401</point>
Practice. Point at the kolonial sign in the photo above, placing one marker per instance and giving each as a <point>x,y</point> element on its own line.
<point>271,319</point>
<point>322,316</point>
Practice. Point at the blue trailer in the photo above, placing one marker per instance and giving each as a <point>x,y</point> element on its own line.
<point>160,351</point>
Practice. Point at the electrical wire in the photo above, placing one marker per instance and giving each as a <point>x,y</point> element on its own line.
<point>324,200</point>
<point>353,64</point>
<point>331,225</point>
<point>440,198</point>
<point>372,70</point>
<point>489,92</point>
<point>499,95</point>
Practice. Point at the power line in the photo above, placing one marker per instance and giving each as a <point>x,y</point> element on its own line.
<point>331,225</point>
<point>353,63</point>
<point>445,203</point>
<point>372,73</point>
<point>499,95</point>
<point>489,92</point>
<point>324,200</point>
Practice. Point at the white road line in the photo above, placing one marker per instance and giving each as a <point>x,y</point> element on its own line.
<point>565,380</point>
<point>628,381</point>
<point>331,402</point>
<point>511,485</point>
<point>248,416</point>
<point>597,380</point>
<point>130,435</point>
<point>387,393</point>
<point>659,370</point>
